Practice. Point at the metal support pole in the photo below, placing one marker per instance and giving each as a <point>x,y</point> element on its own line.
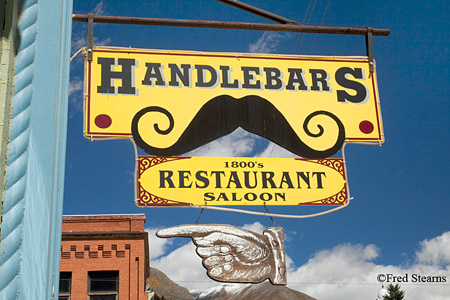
<point>231,25</point>
<point>90,41</point>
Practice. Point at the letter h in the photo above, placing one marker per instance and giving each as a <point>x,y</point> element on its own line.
<point>125,75</point>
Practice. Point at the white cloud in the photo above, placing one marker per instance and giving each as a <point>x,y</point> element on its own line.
<point>435,251</point>
<point>80,41</point>
<point>75,86</point>
<point>99,9</point>
<point>273,150</point>
<point>103,42</point>
<point>241,143</point>
<point>267,43</point>
<point>255,227</point>
<point>346,271</point>
<point>75,97</point>
<point>184,267</point>
<point>340,272</point>
<point>238,143</point>
<point>157,246</point>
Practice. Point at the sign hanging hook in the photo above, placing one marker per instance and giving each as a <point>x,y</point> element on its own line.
<point>273,222</point>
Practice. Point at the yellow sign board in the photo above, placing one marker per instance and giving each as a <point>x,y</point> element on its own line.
<point>172,102</point>
<point>184,181</point>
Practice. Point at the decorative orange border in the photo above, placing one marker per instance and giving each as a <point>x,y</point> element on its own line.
<point>340,198</point>
<point>147,199</point>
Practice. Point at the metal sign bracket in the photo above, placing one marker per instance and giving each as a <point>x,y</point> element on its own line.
<point>90,41</point>
<point>369,48</point>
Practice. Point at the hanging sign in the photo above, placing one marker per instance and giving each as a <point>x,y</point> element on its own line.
<point>184,181</point>
<point>172,102</point>
<point>233,254</point>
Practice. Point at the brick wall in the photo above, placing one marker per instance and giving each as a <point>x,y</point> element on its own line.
<point>106,243</point>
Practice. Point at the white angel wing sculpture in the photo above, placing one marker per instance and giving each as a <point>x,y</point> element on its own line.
<point>232,254</point>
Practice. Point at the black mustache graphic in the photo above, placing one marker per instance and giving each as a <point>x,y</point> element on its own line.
<point>224,114</point>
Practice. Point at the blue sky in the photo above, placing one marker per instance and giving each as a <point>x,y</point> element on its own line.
<point>398,221</point>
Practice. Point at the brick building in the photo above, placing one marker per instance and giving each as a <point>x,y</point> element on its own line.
<point>104,257</point>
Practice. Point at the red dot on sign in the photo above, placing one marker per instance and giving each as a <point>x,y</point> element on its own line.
<point>103,121</point>
<point>366,127</point>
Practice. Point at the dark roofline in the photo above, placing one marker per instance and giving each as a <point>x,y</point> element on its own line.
<point>104,217</point>
<point>104,235</point>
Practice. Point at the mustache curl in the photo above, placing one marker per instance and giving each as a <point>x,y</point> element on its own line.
<point>223,114</point>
